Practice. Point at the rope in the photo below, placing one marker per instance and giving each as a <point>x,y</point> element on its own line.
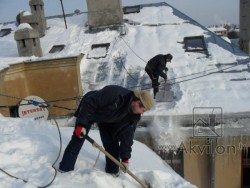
<point>132,50</point>
<point>136,56</point>
<point>66,99</point>
<point>40,104</point>
<point>53,165</point>
<point>239,63</point>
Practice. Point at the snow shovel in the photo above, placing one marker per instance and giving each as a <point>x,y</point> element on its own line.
<point>162,96</point>
<point>144,184</point>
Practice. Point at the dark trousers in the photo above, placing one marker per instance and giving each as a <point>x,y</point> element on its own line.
<point>154,78</point>
<point>72,150</point>
<point>111,146</point>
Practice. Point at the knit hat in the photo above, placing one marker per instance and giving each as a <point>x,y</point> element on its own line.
<point>145,97</point>
<point>169,57</point>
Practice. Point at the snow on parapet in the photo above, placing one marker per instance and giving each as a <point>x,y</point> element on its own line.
<point>24,26</point>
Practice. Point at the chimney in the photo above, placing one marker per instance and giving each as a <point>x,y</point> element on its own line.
<point>37,10</point>
<point>103,13</point>
<point>28,42</point>
<point>27,17</point>
<point>245,25</point>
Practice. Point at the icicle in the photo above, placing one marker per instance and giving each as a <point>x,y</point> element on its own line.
<point>244,155</point>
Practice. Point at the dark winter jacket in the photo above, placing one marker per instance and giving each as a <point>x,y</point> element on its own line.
<point>157,65</point>
<point>110,107</point>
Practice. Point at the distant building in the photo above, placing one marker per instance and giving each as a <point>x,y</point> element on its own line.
<point>220,31</point>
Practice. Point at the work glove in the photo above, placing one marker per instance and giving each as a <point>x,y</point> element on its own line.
<point>125,163</point>
<point>80,131</point>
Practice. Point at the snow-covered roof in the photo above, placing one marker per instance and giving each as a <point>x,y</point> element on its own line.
<point>221,79</point>
<point>29,148</point>
<point>195,80</point>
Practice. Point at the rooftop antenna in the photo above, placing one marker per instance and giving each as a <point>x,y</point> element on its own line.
<point>64,15</point>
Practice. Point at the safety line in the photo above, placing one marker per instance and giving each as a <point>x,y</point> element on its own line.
<point>53,165</point>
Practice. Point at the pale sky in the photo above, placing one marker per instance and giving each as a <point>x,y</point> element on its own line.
<point>206,12</point>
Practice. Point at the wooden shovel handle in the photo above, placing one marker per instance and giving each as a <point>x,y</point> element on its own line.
<point>144,185</point>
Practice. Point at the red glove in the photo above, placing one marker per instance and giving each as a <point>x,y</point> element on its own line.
<point>80,131</point>
<point>125,163</point>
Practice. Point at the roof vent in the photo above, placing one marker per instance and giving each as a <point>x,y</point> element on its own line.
<point>132,9</point>
<point>98,51</point>
<point>56,48</point>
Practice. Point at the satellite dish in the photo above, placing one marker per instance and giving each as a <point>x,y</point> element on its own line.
<point>32,107</point>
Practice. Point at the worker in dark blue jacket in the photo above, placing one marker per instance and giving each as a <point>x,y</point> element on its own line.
<point>156,67</point>
<point>116,110</point>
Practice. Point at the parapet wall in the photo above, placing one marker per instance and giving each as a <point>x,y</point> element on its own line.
<point>50,79</point>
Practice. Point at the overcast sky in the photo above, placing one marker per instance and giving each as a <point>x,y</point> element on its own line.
<point>206,12</point>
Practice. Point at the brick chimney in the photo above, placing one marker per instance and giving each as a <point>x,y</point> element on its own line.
<point>28,42</point>
<point>104,13</point>
<point>37,10</point>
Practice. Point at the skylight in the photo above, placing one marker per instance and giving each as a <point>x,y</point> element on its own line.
<point>195,44</point>
<point>131,9</point>
<point>98,51</point>
<point>5,32</point>
<point>56,48</point>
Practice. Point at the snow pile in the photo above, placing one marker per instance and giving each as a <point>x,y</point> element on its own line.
<point>29,148</point>
<point>167,133</point>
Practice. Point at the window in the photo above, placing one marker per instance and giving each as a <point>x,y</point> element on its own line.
<point>245,167</point>
<point>98,51</point>
<point>5,32</point>
<point>195,44</point>
<point>56,48</point>
<point>131,9</point>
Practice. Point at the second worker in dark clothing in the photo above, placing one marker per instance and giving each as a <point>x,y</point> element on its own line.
<point>116,110</point>
<point>156,67</point>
